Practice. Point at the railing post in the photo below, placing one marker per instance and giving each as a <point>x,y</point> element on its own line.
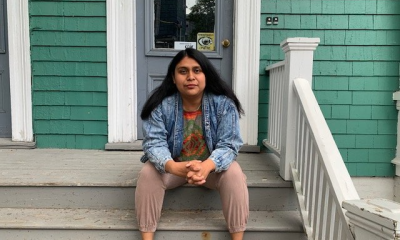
<point>298,64</point>
<point>372,219</point>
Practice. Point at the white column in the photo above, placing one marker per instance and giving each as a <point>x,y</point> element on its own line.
<point>20,70</point>
<point>121,68</point>
<point>373,219</point>
<point>246,61</point>
<point>298,64</point>
<point>396,160</point>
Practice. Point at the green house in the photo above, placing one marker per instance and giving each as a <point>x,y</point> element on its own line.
<point>79,71</point>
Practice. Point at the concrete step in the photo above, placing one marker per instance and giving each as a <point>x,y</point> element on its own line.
<point>58,178</point>
<point>27,223</point>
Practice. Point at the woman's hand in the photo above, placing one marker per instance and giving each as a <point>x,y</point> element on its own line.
<point>177,168</point>
<point>198,171</point>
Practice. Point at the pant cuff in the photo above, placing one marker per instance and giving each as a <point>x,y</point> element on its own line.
<point>237,229</point>
<point>147,228</point>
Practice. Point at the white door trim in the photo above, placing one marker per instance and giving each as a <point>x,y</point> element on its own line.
<point>122,68</point>
<point>121,71</point>
<point>246,61</point>
<point>20,70</point>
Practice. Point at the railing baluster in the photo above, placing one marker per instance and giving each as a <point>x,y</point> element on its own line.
<point>333,230</point>
<point>320,204</point>
<point>280,97</point>
<point>327,212</point>
<point>305,159</point>
<point>302,142</point>
<point>313,188</point>
<point>307,173</point>
<point>297,134</point>
<point>272,107</point>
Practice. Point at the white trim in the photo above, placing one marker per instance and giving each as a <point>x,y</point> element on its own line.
<point>246,61</point>
<point>396,160</point>
<point>122,68</point>
<point>20,70</point>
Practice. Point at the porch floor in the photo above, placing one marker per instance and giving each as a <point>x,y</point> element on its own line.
<point>90,194</point>
<point>67,167</point>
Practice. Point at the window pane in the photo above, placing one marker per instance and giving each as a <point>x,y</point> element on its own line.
<point>184,23</point>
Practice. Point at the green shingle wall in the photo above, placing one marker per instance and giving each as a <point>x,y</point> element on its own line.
<point>68,52</point>
<point>356,71</point>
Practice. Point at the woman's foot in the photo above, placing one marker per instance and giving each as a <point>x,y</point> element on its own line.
<point>147,235</point>
<point>237,235</point>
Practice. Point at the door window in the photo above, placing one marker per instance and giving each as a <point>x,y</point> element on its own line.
<point>178,24</point>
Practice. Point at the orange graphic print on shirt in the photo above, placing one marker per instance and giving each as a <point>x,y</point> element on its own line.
<point>194,144</point>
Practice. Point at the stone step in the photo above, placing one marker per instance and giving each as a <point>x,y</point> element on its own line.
<point>57,178</point>
<point>28,223</point>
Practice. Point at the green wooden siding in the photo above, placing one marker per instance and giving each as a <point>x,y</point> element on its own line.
<point>68,51</point>
<point>356,71</point>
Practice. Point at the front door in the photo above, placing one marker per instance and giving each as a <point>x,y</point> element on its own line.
<point>5,106</point>
<point>167,26</point>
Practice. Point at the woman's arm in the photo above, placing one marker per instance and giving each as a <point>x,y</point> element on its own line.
<point>155,144</point>
<point>228,139</point>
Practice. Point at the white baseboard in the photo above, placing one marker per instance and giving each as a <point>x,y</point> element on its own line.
<point>375,187</point>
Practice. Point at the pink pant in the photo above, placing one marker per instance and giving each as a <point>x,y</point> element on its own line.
<point>231,184</point>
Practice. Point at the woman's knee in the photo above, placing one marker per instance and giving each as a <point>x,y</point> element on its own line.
<point>234,173</point>
<point>149,175</point>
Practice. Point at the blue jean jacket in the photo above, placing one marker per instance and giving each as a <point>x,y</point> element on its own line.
<point>163,131</point>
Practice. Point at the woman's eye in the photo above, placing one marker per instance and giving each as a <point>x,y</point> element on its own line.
<point>182,71</point>
<point>197,70</point>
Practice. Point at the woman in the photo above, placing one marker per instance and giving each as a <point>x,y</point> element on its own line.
<point>191,135</point>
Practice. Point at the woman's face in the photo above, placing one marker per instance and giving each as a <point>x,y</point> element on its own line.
<point>189,78</point>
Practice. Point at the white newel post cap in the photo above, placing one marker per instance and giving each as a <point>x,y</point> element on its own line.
<point>373,219</point>
<point>396,96</point>
<point>299,44</point>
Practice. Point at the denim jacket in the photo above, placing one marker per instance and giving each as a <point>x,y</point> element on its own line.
<point>163,131</point>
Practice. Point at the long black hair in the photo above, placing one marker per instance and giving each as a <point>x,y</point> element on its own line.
<point>214,83</point>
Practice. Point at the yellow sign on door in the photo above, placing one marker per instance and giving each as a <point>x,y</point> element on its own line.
<point>205,42</point>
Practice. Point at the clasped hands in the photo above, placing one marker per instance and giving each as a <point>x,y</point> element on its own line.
<point>195,171</point>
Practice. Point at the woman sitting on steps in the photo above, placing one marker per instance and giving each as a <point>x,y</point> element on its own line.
<point>191,135</point>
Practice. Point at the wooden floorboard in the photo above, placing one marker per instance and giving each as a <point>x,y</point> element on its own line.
<point>66,167</point>
<point>25,218</point>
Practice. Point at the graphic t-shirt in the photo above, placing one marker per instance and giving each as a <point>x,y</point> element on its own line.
<point>194,144</point>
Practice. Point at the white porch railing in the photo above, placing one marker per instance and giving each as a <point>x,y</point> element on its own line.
<point>276,80</point>
<point>318,171</point>
<point>299,135</point>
